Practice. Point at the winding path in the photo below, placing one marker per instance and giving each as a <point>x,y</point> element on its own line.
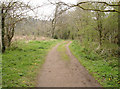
<point>59,73</point>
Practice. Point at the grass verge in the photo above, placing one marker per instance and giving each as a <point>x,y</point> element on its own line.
<point>0,70</point>
<point>62,50</point>
<point>104,71</point>
<point>20,63</point>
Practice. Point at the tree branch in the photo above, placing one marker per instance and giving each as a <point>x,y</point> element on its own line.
<point>98,2</point>
<point>90,9</point>
<point>95,9</point>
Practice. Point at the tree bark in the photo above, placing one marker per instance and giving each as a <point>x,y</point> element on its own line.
<point>10,37</point>
<point>53,27</point>
<point>99,28</point>
<point>119,40</point>
<point>54,21</point>
<point>100,33</point>
<point>119,25</point>
<point>3,29</point>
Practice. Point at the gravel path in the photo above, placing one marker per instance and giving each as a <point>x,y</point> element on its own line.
<point>59,73</point>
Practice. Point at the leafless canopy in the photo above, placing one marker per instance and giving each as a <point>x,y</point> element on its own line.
<point>112,5</point>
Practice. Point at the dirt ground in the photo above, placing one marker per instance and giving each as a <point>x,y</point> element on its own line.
<point>59,73</point>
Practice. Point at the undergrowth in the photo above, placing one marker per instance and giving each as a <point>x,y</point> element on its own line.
<point>103,68</point>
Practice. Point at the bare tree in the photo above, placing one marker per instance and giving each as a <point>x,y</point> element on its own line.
<point>111,7</point>
<point>80,5</point>
<point>54,20</point>
<point>60,8</point>
<point>12,12</point>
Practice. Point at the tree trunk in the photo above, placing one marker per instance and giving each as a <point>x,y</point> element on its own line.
<point>100,35</point>
<point>54,21</point>
<point>10,35</point>
<point>13,31</point>
<point>99,27</point>
<point>3,29</point>
<point>119,26</point>
<point>53,27</point>
<point>119,40</point>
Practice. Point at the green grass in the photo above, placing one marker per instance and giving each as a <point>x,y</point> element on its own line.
<point>62,51</point>
<point>0,71</point>
<point>22,62</point>
<point>105,71</point>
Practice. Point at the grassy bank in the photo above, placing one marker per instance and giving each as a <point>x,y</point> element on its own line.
<point>21,62</point>
<point>0,70</point>
<point>105,71</point>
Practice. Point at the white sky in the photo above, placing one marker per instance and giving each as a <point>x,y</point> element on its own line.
<point>47,10</point>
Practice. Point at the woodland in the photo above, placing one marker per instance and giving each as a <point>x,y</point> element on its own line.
<point>92,26</point>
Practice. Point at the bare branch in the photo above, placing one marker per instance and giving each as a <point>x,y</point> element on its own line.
<point>95,9</point>
<point>90,9</point>
<point>98,2</point>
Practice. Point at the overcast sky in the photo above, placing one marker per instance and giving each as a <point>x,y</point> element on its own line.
<point>46,11</point>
